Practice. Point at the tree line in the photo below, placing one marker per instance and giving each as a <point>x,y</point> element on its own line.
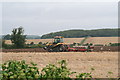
<point>8,36</point>
<point>84,33</point>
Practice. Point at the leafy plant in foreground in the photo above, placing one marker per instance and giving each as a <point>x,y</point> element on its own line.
<point>56,72</point>
<point>85,76</point>
<point>19,70</point>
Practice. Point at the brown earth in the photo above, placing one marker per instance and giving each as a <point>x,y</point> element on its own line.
<point>102,62</point>
<point>25,50</point>
<point>95,49</point>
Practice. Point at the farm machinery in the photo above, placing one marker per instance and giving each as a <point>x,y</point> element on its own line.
<point>59,46</point>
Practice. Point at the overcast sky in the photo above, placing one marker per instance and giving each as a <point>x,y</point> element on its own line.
<point>39,18</point>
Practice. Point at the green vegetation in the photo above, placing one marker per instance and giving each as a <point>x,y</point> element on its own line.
<point>98,45</point>
<point>84,33</point>
<point>20,70</point>
<point>6,46</point>
<point>17,37</point>
<point>18,40</point>
<point>81,43</point>
<point>73,34</point>
<point>54,72</point>
<point>35,45</point>
<point>31,45</point>
<point>114,44</point>
<point>8,37</point>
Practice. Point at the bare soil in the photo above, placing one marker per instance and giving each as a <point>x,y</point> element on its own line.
<point>102,62</point>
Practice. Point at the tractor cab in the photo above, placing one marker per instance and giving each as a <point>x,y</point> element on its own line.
<point>58,39</point>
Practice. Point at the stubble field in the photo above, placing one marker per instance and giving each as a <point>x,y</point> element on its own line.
<point>94,40</point>
<point>102,62</point>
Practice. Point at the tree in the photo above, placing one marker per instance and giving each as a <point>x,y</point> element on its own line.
<point>40,43</point>
<point>17,37</point>
<point>32,43</point>
<point>7,37</point>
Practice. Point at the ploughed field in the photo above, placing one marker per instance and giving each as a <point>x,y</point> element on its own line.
<point>102,62</point>
<point>94,40</point>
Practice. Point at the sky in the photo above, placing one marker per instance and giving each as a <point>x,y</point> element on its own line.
<point>38,18</point>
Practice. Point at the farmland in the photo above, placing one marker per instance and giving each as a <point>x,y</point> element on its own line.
<point>102,40</point>
<point>102,62</point>
<point>94,40</point>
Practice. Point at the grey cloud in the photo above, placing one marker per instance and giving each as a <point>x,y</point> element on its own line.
<point>40,18</point>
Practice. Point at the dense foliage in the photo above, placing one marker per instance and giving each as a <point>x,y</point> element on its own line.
<point>6,46</point>
<point>84,33</point>
<point>19,70</point>
<point>114,44</point>
<point>54,72</point>
<point>8,37</point>
<point>74,34</point>
<point>17,37</point>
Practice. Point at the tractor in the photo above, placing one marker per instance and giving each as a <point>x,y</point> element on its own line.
<point>57,45</point>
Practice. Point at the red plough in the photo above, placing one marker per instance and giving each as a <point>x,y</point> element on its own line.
<point>81,48</point>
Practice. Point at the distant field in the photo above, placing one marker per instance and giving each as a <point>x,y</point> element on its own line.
<point>102,40</point>
<point>36,41</point>
<point>94,40</point>
<point>102,62</point>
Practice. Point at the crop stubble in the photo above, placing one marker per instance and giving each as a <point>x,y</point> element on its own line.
<point>102,62</point>
<point>94,40</point>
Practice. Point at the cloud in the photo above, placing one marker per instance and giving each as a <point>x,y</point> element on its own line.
<point>40,18</point>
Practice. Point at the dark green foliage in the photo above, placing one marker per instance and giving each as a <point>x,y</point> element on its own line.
<point>40,43</point>
<point>7,37</point>
<point>35,46</point>
<point>88,44</point>
<point>98,45</point>
<point>17,37</point>
<point>1,43</point>
<point>19,70</point>
<point>84,76</point>
<point>114,44</point>
<point>84,33</point>
<point>6,46</point>
<point>32,43</point>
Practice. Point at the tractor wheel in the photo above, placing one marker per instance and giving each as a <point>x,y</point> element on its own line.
<point>58,49</point>
<point>61,48</point>
<point>50,50</point>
